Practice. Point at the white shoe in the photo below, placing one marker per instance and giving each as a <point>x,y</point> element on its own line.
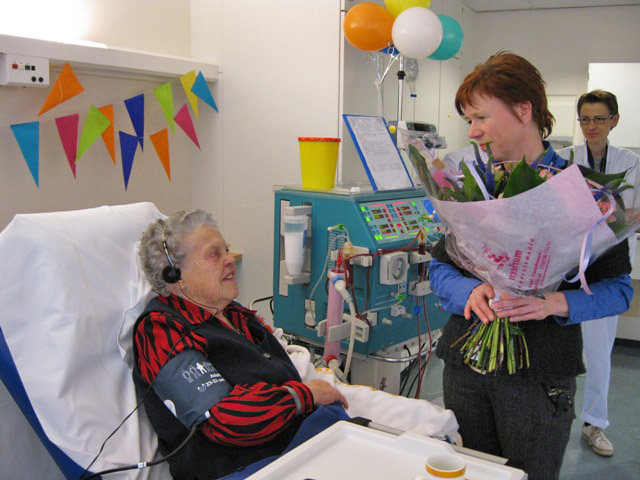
<point>598,442</point>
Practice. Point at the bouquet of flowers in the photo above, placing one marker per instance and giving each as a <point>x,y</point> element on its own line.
<point>520,229</point>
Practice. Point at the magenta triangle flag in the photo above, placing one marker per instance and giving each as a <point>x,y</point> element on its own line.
<point>128,146</point>
<point>28,137</point>
<point>183,119</point>
<point>68,131</point>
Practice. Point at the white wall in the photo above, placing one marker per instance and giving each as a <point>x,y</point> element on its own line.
<point>279,80</point>
<point>140,25</point>
<point>147,25</point>
<point>562,42</point>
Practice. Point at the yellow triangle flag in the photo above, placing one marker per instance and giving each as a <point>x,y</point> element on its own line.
<point>187,80</point>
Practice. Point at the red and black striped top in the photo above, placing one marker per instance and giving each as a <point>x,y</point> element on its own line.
<point>252,414</point>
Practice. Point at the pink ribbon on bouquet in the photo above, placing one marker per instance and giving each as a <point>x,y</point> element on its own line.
<point>585,251</point>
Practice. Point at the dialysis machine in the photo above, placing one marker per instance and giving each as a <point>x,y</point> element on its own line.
<point>385,259</point>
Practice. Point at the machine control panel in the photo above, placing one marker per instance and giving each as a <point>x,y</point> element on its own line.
<point>393,220</point>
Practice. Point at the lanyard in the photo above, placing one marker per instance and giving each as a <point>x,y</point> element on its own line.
<point>603,164</point>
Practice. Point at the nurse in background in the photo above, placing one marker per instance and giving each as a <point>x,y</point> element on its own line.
<point>598,115</point>
<point>453,159</point>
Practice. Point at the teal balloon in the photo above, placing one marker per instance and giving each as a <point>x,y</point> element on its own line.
<point>452,39</point>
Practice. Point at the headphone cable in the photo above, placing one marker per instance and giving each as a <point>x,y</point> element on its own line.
<point>144,395</point>
<point>142,465</point>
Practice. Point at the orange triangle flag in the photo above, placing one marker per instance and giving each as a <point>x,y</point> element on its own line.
<point>66,86</point>
<point>160,142</point>
<point>108,136</point>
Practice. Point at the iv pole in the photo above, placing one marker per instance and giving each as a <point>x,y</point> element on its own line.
<point>401,75</point>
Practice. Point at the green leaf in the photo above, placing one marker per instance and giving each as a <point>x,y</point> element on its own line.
<point>455,195</point>
<point>522,179</point>
<point>470,186</point>
<point>420,165</point>
<point>600,178</point>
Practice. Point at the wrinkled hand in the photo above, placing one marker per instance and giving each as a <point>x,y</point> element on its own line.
<point>519,309</point>
<point>478,303</point>
<point>324,393</point>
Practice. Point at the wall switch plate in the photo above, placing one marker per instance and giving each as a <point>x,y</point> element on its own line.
<point>23,71</point>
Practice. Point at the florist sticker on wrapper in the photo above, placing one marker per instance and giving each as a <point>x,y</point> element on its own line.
<point>520,234</point>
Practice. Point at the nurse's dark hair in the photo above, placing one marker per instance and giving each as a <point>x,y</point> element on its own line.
<point>599,96</point>
<point>172,230</point>
<point>511,79</point>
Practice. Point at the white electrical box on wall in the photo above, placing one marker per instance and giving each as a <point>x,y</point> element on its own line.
<point>23,71</point>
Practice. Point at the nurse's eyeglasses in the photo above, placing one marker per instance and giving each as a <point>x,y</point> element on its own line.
<point>596,120</point>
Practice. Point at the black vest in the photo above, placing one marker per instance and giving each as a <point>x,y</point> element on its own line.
<point>240,362</point>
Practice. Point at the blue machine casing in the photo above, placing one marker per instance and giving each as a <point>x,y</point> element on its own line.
<point>383,220</point>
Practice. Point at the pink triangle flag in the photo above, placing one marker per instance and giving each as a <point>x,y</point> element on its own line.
<point>183,119</point>
<point>68,131</point>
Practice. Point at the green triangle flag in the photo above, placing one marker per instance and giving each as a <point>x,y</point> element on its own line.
<point>95,124</point>
<point>164,95</point>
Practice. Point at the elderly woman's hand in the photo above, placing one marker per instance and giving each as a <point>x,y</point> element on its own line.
<point>324,393</point>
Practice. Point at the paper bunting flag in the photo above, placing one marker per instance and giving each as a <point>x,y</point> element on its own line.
<point>108,135</point>
<point>95,124</point>
<point>68,131</point>
<point>160,142</point>
<point>187,80</point>
<point>28,137</point>
<point>183,119</point>
<point>201,89</point>
<point>135,107</point>
<point>164,95</point>
<point>128,146</point>
<point>66,87</point>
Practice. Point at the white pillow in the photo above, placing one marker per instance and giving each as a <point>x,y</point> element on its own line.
<point>69,278</point>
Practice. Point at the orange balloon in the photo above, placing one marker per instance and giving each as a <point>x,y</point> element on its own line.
<point>367,26</point>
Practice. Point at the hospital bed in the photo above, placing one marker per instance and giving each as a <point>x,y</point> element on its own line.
<point>71,291</point>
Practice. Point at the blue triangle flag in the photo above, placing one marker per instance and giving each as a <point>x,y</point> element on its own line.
<point>201,89</point>
<point>135,107</point>
<point>28,137</point>
<point>128,146</point>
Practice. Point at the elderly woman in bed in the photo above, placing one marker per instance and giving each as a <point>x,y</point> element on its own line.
<point>202,361</point>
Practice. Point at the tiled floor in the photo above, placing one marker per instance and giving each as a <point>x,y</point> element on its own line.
<point>624,430</point>
<point>624,417</point>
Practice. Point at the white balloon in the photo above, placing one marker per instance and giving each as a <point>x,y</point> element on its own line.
<point>417,32</point>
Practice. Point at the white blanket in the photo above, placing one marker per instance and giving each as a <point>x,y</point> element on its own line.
<point>407,414</point>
